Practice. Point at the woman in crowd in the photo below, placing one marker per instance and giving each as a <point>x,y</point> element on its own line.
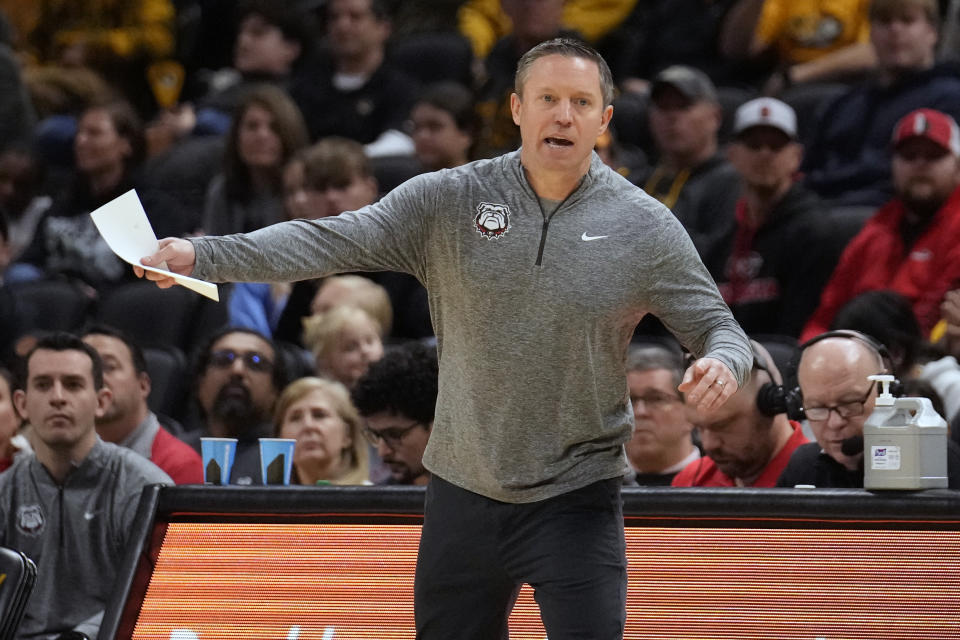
<point>247,195</point>
<point>329,447</point>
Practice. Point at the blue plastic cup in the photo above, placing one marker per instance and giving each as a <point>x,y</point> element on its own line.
<point>276,460</point>
<point>218,455</point>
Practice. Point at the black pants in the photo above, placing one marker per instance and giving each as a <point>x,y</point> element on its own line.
<point>475,553</point>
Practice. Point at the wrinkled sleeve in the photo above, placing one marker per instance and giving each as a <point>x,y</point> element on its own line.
<point>390,235</point>
<point>683,295</point>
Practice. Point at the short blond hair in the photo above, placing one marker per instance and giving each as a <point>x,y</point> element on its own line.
<point>359,458</point>
<point>365,294</point>
<point>321,331</point>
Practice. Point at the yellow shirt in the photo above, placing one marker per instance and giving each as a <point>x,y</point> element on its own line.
<point>483,22</point>
<point>803,30</point>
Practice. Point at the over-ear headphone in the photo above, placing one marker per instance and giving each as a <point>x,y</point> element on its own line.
<point>772,398</point>
<point>779,400</point>
<point>875,346</point>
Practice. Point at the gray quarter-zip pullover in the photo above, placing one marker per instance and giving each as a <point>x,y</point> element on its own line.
<point>533,314</point>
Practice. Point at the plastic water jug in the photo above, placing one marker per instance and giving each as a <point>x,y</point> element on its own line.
<point>904,443</point>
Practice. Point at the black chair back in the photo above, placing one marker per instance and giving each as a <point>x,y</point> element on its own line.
<point>18,575</point>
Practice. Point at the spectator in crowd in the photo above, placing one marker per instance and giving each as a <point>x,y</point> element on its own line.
<point>444,126</point>
<point>532,23</point>
<point>692,177</point>
<point>339,177</point>
<point>11,315</point>
<point>848,158</point>
<point>328,178</point>
<point>912,244</point>
<point>356,291</point>
<point>837,399</point>
<point>118,39</point>
<point>21,197</point>
<point>5,250</point>
<point>127,420</point>
<point>17,113</point>
<point>357,93</point>
<point>662,442</point>
<point>273,40</point>
<point>330,447</point>
<point>888,316</point>
<point>397,397</point>
<point>819,41</point>
<point>344,342</point>
<point>108,148</point>
<point>237,377</point>
<point>266,132</point>
<point>748,442</point>
<point>325,179</point>
<point>70,507</point>
<point>659,34</point>
<point>770,258</point>
<point>947,335</point>
<point>485,22</point>
<point>950,311</point>
<point>12,443</point>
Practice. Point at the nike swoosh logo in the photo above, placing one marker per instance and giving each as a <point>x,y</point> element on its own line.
<point>587,238</point>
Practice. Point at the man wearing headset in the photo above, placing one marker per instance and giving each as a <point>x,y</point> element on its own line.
<point>748,441</point>
<point>837,398</point>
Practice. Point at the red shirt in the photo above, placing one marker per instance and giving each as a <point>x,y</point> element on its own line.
<point>705,473</point>
<point>181,462</point>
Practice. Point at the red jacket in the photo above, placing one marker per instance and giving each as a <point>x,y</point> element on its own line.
<point>876,259</point>
<point>705,473</point>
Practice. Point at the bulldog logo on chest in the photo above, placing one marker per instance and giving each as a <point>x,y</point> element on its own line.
<point>492,220</point>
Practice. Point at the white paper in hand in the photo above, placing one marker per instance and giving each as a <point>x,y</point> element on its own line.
<point>124,226</point>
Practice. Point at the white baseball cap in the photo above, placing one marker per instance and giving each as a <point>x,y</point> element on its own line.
<point>765,112</point>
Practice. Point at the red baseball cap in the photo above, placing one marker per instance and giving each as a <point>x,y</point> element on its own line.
<point>935,126</point>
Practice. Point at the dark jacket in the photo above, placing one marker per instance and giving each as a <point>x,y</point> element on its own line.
<point>848,159</point>
<point>382,103</point>
<point>771,276</point>
<point>809,465</point>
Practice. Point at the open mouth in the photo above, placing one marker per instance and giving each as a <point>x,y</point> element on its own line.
<point>558,142</point>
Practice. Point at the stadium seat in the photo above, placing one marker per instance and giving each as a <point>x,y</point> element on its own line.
<point>151,316</point>
<point>51,305</point>
<point>167,367</point>
<point>434,57</point>
<point>19,575</point>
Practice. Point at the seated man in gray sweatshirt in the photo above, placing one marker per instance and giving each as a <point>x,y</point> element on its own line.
<point>71,506</point>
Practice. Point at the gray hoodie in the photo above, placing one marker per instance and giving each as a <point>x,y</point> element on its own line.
<point>532,313</point>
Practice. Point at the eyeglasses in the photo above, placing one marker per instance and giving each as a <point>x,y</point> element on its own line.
<point>655,400</point>
<point>224,359</point>
<point>393,436</point>
<point>845,410</point>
